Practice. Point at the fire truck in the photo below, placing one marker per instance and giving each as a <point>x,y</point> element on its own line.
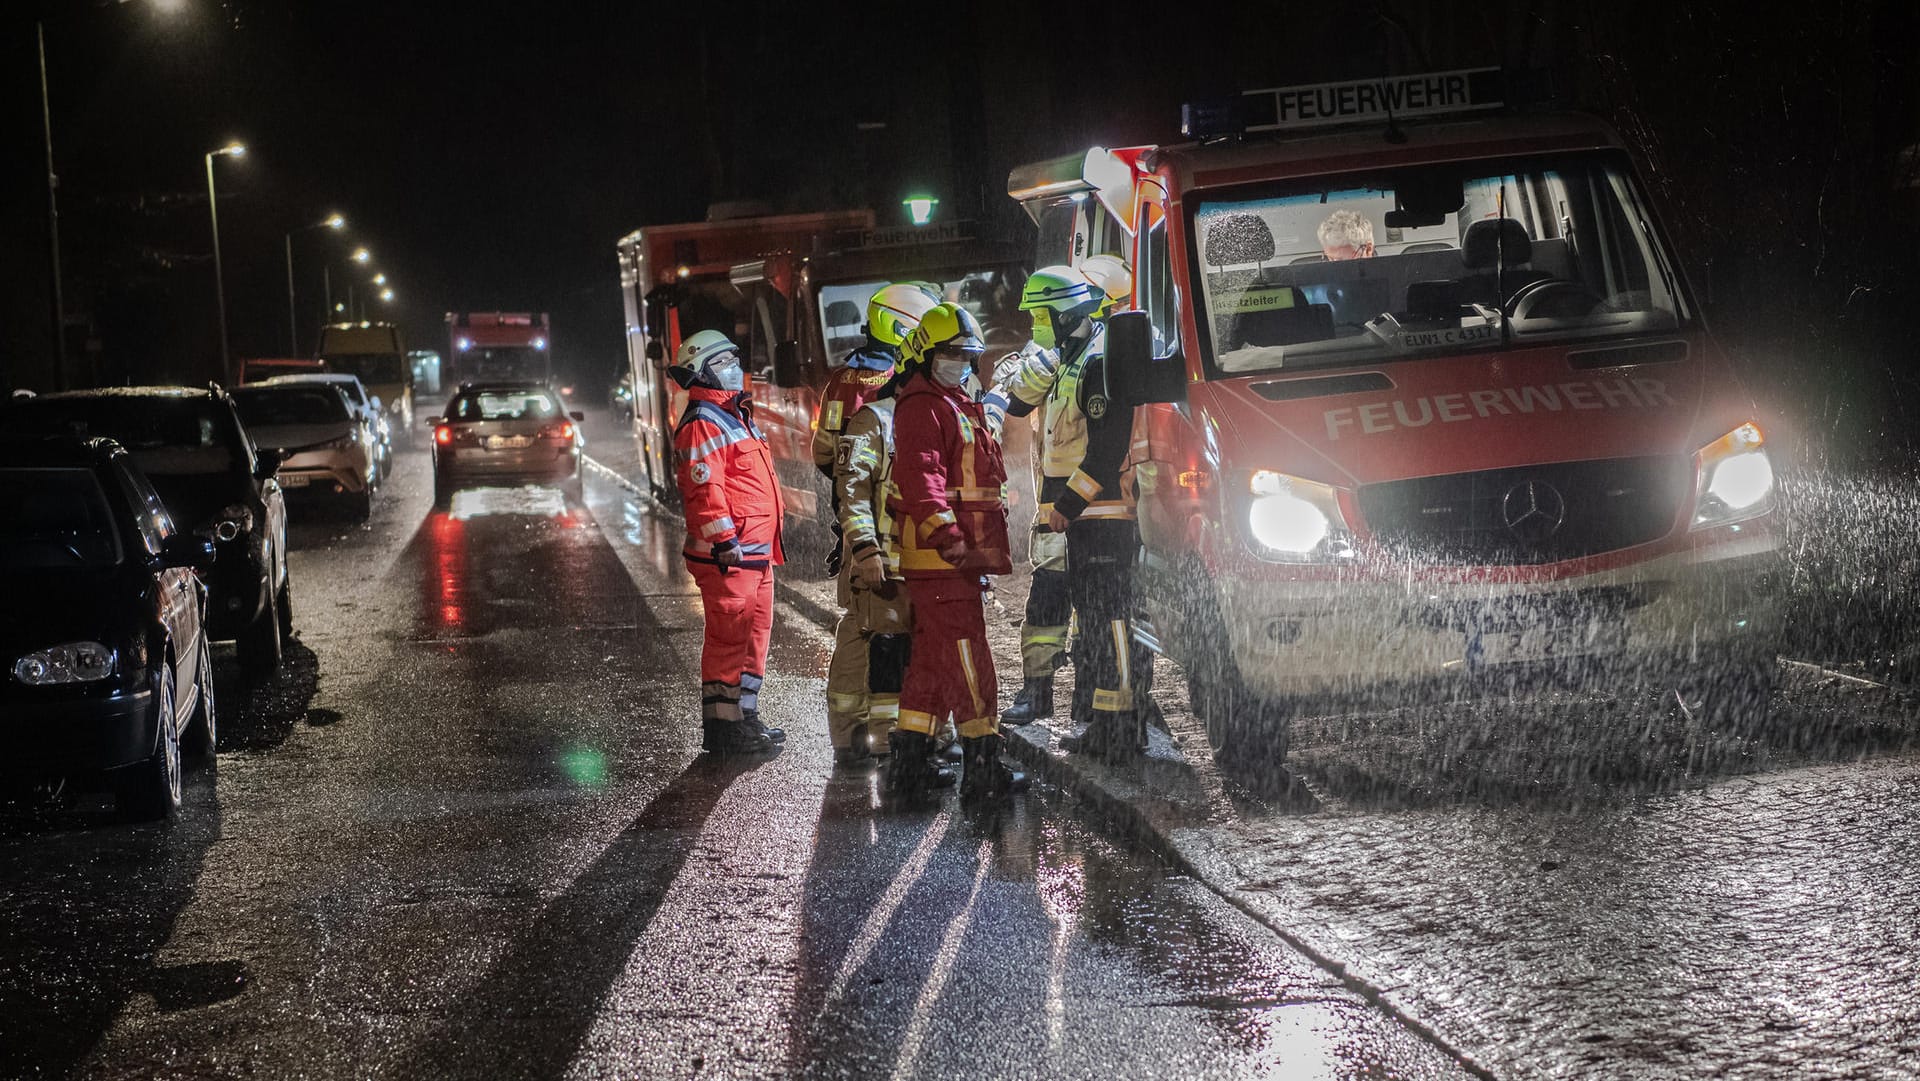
<point>1425,407</point>
<point>499,346</point>
<point>675,281</point>
<point>807,312</point>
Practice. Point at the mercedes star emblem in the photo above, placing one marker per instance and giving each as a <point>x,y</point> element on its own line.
<point>1533,511</point>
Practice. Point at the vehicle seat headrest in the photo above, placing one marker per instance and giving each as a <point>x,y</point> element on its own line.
<point>1238,238</point>
<point>1481,248</point>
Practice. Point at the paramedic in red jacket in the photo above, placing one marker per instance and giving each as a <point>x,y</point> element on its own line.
<point>733,509</point>
<point>952,520</point>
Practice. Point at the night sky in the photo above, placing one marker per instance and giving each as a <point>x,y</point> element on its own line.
<point>490,155</point>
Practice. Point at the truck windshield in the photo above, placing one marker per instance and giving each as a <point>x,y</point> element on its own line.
<point>372,368</point>
<point>1483,255</point>
<point>500,363</point>
<point>992,294</point>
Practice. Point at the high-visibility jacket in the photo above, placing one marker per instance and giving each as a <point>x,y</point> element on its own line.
<point>863,477</point>
<point>1049,381</point>
<point>1101,485</point>
<point>951,479</point>
<point>726,480</point>
<point>852,385</point>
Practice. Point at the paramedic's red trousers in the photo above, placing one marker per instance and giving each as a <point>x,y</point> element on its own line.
<point>738,603</point>
<point>950,670</point>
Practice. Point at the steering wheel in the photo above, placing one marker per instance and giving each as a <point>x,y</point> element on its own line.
<point>1562,298</point>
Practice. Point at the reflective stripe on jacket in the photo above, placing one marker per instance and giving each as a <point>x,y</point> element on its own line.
<point>863,476</point>
<point>849,387</point>
<point>725,473</point>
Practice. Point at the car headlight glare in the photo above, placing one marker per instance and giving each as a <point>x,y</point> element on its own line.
<point>1296,521</point>
<point>1733,478</point>
<point>71,662</point>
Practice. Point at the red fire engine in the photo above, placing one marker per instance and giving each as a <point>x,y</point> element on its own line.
<point>1433,407</point>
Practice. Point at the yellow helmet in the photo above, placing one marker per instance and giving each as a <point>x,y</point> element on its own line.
<point>895,310</point>
<point>944,324</point>
<point>1111,275</point>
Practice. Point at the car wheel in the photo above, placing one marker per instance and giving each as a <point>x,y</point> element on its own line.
<point>573,486</point>
<point>285,609</point>
<point>151,790</point>
<point>260,643</point>
<point>360,504</point>
<point>203,728</point>
<point>1243,729</point>
<point>442,487</point>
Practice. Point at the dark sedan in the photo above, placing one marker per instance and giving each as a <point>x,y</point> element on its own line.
<point>191,445</point>
<point>103,630</point>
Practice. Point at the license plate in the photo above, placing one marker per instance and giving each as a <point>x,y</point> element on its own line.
<point>294,481</point>
<point>1545,642</point>
<point>508,442</point>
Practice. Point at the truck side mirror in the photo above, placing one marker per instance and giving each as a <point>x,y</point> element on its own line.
<point>656,353</point>
<point>786,364</point>
<point>1130,356</point>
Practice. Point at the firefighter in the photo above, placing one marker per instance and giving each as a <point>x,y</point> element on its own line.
<point>952,522</point>
<point>1112,672</point>
<point>871,640</point>
<point>733,511</point>
<point>1063,303</point>
<point>892,312</point>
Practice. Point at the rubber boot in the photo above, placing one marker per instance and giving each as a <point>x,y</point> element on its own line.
<point>777,735</point>
<point>911,769</point>
<point>984,776</point>
<point>1033,703</point>
<point>713,735</point>
<point>1115,738</point>
<point>856,751</point>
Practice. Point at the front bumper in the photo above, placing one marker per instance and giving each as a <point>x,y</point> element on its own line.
<point>76,735</point>
<point>325,474</point>
<point>1357,640</point>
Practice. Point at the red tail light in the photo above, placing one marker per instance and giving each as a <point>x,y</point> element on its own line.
<point>443,435</point>
<point>562,430</point>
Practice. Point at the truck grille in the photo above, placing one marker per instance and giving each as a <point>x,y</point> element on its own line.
<point>1530,514</point>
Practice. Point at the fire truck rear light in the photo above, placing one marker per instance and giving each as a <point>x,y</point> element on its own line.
<point>1193,478</point>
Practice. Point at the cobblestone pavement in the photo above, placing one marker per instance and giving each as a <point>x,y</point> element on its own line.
<point>1566,887</point>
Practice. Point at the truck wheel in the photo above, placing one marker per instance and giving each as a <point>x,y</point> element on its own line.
<point>203,728</point>
<point>1243,729</point>
<point>1729,695</point>
<point>151,790</point>
<point>259,644</point>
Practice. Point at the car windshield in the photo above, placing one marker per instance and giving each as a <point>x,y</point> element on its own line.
<point>1430,260</point>
<point>504,405</point>
<point>267,407</point>
<point>370,367</point>
<point>167,436</point>
<point>59,518</point>
<point>991,294</point>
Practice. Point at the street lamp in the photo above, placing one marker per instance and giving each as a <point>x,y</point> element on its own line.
<point>386,295</point>
<point>379,279</point>
<point>361,255</point>
<point>231,150</point>
<point>331,221</point>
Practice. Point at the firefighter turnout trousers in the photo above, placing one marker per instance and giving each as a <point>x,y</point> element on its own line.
<point>852,700</point>
<point>738,604</point>
<point>1043,634</point>
<point>1112,672</point>
<point>951,670</point>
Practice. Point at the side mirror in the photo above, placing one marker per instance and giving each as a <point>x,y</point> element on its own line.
<point>577,415</point>
<point>656,353</point>
<point>786,364</point>
<point>1130,357</point>
<point>266,462</point>
<point>187,550</point>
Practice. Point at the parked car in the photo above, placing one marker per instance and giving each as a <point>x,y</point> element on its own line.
<point>261,369</point>
<point>367,407</point>
<point>505,432</point>
<point>103,632</point>
<point>326,449</point>
<point>192,447</point>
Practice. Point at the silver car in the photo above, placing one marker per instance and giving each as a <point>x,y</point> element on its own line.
<point>328,450</point>
<point>514,432</point>
<point>366,406</point>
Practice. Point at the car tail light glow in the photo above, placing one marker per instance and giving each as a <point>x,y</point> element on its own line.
<point>443,435</point>
<point>562,430</point>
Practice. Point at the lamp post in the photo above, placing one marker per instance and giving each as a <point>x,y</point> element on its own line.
<point>53,220</point>
<point>332,221</point>
<point>231,150</point>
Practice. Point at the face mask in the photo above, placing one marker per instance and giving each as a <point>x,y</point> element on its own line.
<point>1043,328</point>
<point>727,374</point>
<point>951,373</point>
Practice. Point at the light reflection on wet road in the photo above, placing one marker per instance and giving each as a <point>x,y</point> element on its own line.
<point>466,834</point>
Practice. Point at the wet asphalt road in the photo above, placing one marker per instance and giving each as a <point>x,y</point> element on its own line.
<point>466,833</point>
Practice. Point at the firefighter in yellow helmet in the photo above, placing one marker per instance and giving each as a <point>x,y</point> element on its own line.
<point>870,642</point>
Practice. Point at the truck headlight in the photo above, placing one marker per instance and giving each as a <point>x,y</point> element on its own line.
<point>1296,521</point>
<point>72,662</point>
<point>1733,478</point>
